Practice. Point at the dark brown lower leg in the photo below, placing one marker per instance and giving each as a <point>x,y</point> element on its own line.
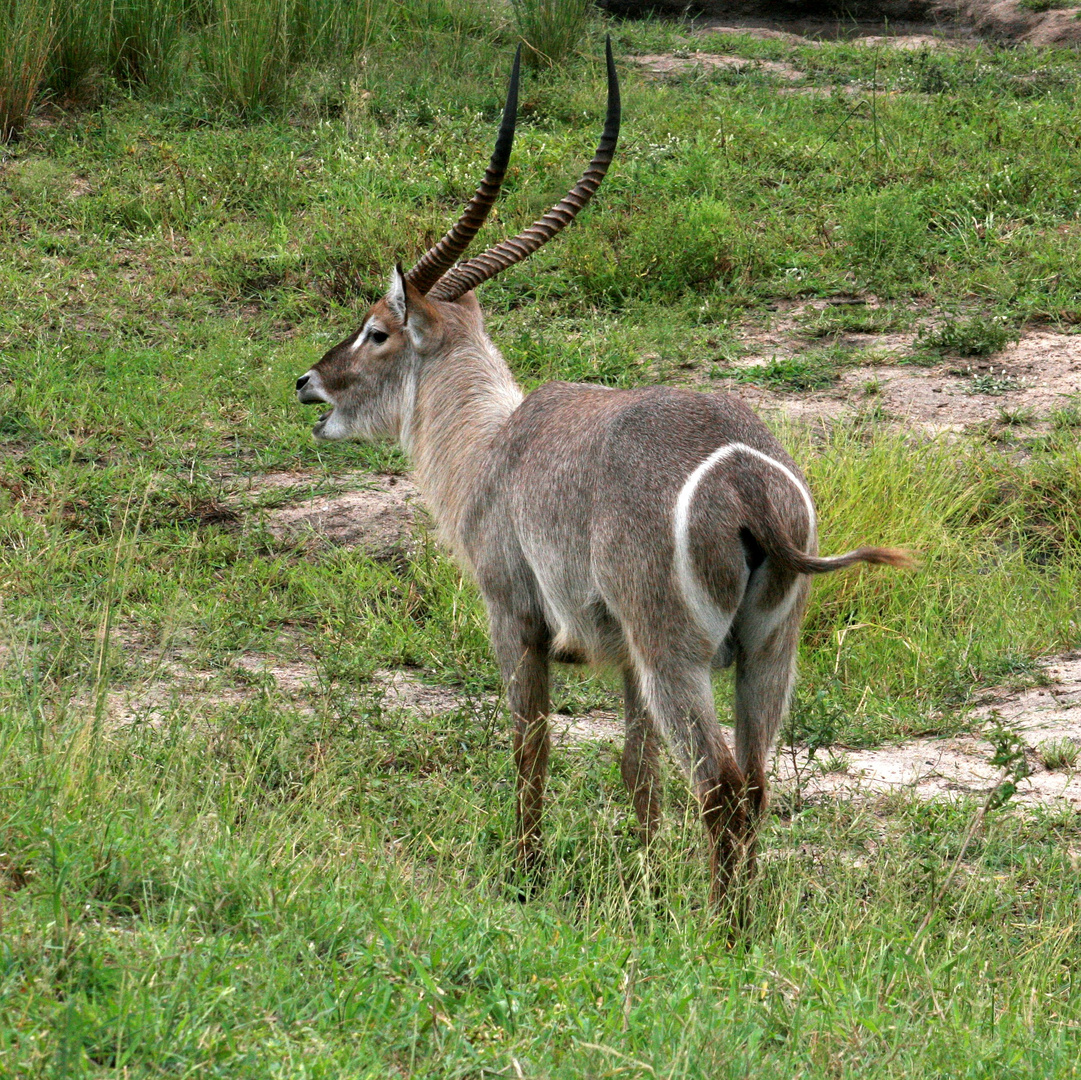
<point>527,692</point>
<point>681,705</point>
<point>755,799</point>
<point>724,813</point>
<point>639,762</point>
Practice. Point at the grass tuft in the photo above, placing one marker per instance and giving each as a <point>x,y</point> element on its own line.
<point>145,37</point>
<point>245,54</point>
<point>977,335</point>
<point>1059,755</point>
<point>812,370</point>
<point>551,29</point>
<point>26,35</point>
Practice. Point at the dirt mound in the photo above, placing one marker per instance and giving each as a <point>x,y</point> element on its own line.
<point>1009,21</point>
<point>377,517</point>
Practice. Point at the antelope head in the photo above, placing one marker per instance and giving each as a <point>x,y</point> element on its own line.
<point>369,379</point>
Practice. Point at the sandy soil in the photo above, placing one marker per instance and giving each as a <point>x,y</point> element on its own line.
<point>960,766</point>
<point>1019,387</point>
<point>377,515</point>
<point>1047,717</point>
<point>925,25</point>
<point>663,64</point>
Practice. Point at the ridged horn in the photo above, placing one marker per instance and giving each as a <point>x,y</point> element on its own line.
<point>482,267</point>
<point>441,257</point>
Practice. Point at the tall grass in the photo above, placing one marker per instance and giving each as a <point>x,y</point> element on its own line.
<point>26,35</point>
<point>323,30</point>
<point>551,28</point>
<point>245,53</point>
<point>247,48</point>
<point>144,38</point>
<point>78,46</point>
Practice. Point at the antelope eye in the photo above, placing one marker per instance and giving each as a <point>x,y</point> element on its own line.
<point>379,337</point>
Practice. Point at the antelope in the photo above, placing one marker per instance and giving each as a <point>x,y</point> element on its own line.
<point>660,531</point>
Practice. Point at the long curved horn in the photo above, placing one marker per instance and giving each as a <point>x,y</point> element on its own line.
<point>440,258</point>
<point>479,269</point>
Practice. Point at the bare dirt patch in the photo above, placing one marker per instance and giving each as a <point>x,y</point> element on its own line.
<point>377,515</point>
<point>916,24</point>
<point>680,63</point>
<point>960,766</point>
<point>1007,20</point>
<point>1047,717</point>
<point>402,690</point>
<point>1019,387</point>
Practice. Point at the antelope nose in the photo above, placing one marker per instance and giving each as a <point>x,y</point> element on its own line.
<point>302,381</point>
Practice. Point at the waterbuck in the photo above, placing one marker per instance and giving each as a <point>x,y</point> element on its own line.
<point>662,531</point>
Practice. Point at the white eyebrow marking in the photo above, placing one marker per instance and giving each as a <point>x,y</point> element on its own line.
<point>361,334</point>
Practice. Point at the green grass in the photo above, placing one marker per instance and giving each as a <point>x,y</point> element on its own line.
<point>246,53</point>
<point>974,336</point>
<point>812,370</point>
<point>238,881</point>
<point>551,29</point>
<point>1040,6</point>
<point>26,35</point>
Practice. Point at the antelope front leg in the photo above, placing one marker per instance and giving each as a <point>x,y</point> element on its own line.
<point>525,672</point>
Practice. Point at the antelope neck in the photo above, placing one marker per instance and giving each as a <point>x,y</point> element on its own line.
<point>462,400</point>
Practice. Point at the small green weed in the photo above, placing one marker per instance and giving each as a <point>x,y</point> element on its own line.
<point>1059,755</point>
<point>1016,417</point>
<point>1040,6</point>
<point>977,335</point>
<point>995,384</point>
<point>852,319</point>
<point>809,371</point>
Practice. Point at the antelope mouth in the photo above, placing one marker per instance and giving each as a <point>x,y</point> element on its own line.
<point>326,430</point>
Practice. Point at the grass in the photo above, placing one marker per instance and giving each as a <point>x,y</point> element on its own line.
<point>977,335</point>
<point>1040,6</point>
<point>1059,755</point>
<point>551,29</point>
<point>246,53</point>
<point>26,35</point>
<point>204,872</point>
<point>813,370</point>
<point>857,318</point>
<point>145,37</point>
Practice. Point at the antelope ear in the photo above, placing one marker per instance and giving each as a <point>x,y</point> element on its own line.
<point>396,296</point>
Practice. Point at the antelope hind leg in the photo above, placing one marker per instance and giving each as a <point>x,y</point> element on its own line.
<point>681,704</point>
<point>765,673</point>
<point>639,762</point>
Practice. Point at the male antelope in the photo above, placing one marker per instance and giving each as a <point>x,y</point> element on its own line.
<point>659,530</point>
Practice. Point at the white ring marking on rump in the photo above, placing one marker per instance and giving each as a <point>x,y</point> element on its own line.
<point>713,621</point>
